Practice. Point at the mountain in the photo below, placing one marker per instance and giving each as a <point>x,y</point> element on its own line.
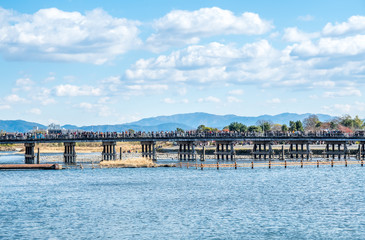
<point>186,121</point>
<point>18,125</point>
<point>220,121</point>
<point>125,127</point>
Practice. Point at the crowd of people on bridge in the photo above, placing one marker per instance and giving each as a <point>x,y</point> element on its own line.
<point>89,135</point>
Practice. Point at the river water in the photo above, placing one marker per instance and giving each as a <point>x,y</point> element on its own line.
<point>175,203</point>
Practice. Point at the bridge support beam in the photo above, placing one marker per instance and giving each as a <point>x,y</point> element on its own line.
<point>297,150</point>
<point>109,152</point>
<point>331,149</point>
<point>262,148</point>
<point>149,149</point>
<point>224,150</point>
<point>186,151</point>
<point>29,153</point>
<point>69,154</point>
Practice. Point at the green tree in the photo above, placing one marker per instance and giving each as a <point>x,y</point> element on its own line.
<point>299,126</point>
<point>333,125</point>
<point>131,131</point>
<point>284,128</point>
<point>347,121</point>
<point>357,122</point>
<point>292,126</point>
<point>203,128</point>
<point>265,125</point>
<point>238,127</point>
<point>254,128</point>
<point>180,130</point>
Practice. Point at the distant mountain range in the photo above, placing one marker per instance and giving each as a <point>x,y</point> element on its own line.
<point>186,121</point>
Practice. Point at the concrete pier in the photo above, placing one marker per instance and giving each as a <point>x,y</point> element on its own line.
<point>262,149</point>
<point>224,150</point>
<point>69,154</point>
<point>361,151</point>
<point>29,153</point>
<point>331,150</point>
<point>149,149</point>
<point>186,151</point>
<point>297,150</point>
<point>109,152</point>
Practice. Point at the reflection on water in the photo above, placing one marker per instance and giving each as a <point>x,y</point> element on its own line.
<point>174,203</point>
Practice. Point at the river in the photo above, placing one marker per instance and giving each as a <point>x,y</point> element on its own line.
<point>175,203</point>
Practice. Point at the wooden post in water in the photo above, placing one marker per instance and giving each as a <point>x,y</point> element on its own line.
<point>187,165</point>
<point>269,163</point>
<point>285,163</point>
<point>201,166</point>
<point>252,164</point>
<point>332,162</point>
<point>345,162</point>
<point>38,156</point>
<point>317,163</point>
<point>235,165</point>
<point>217,165</point>
<point>120,153</point>
<point>301,163</point>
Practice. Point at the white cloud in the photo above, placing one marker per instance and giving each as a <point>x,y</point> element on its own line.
<point>13,98</point>
<point>324,84</point>
<point>293,34</point>
<point>24,84</point>
<point>187,27</point>
<point>344,92</point>
<point>43,96</point>
<point>35,111</point>
<point>86,105</point>
<point>112,83</point>
<point>208,63</point>
<point>209,99</point>
<point>355,24</point>
<point>74,91</point>
<point>56,35</point>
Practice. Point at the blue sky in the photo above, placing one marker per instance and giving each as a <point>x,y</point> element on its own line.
<point>108,62</point>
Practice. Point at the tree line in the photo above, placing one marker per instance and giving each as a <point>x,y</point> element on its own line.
<point>311,123</point>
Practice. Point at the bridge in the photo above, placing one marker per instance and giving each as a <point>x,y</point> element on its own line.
<point>335,143</point>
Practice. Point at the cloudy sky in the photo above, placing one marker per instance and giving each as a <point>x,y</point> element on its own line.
<point>108,62</point>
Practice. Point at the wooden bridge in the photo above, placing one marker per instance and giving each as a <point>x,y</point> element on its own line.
<point>336,145</point>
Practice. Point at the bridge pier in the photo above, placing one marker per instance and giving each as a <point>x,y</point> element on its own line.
<point>361,151</point>
<point>69,154</point>
<point>331,149</point>
<point>149,149</point>
<point>187,151</point>
<point>297,149</point>
<point>202,156</point>
<point>224,150</point>
<point>109,152</point>
<point>29,153</point>
<point>262,148</point>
